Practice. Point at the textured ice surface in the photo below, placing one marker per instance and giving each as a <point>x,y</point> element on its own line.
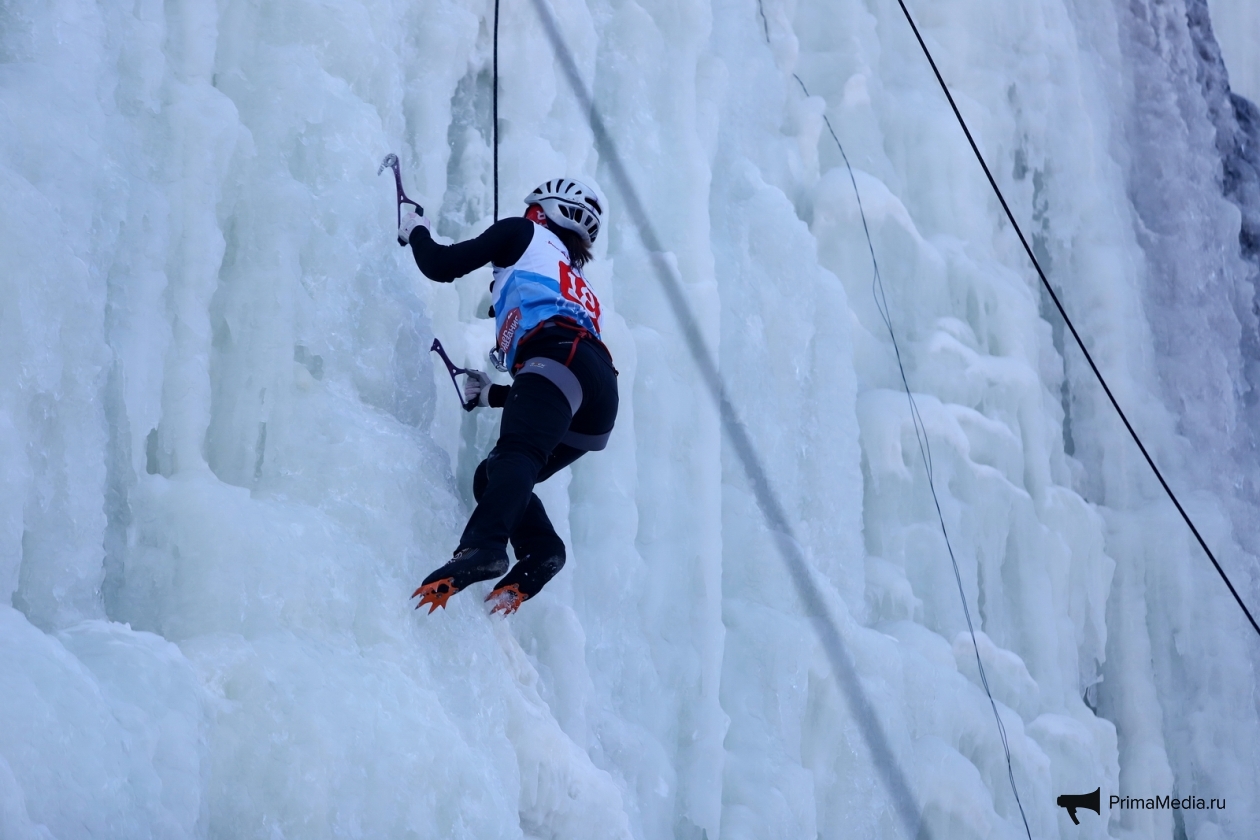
<point>226,456</point>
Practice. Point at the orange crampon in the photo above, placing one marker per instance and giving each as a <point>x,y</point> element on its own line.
<point>436,593</point>
<point>508,599</point>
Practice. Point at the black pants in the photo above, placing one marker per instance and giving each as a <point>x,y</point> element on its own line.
<point>536,417</point>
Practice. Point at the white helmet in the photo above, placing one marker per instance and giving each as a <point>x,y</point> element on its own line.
<point>570,204</point>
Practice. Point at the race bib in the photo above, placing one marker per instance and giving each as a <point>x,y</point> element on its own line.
<point>574,288</point>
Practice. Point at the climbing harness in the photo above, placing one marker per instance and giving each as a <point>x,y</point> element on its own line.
<point>565,324</point>
<point>453,371</point>
<point>559,374</point>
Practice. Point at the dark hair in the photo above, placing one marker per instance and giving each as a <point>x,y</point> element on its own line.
<point>579,251</point>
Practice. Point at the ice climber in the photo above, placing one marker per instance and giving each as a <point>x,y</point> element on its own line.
<point>563,399</point>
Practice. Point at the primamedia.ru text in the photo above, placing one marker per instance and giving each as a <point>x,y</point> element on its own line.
<point>1166,803</point>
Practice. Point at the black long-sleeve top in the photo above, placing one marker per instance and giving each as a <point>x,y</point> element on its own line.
<point>502,244</point>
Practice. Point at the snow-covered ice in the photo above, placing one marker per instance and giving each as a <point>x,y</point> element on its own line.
<point>226,455</point>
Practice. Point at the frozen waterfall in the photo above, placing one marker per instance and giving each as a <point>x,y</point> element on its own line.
<point>226,455</point>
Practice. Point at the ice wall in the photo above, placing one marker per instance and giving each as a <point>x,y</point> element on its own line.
<point>227,456</point>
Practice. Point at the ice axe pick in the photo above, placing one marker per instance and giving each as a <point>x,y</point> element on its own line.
<point>391,161</point>
<point>453,371</point>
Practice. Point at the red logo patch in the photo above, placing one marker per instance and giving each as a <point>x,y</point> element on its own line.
<point>510,322</point>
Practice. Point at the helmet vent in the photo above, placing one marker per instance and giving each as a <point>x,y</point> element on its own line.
<point>571,205</point>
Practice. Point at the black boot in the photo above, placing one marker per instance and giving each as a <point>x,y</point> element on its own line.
<point>468,566</point>
<point>526,580</point>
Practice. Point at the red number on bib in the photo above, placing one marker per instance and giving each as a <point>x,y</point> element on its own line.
<point>574,288</point>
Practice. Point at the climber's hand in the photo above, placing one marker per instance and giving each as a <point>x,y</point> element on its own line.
<point>477,388</point>
<point>410,221</point>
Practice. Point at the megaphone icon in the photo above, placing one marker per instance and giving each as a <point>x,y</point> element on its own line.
<point>1072,801</point>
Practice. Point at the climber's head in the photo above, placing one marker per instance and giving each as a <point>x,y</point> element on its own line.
<point>572,210</point>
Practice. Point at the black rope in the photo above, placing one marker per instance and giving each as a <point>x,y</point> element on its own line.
<point>865,714</point>
<point>925,452</point>
<point>920,433</point>
<point>495,97</point>
<point>1075,335</point>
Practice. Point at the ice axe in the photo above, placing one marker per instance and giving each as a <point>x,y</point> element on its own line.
<point>450,367</point>
<point>391,161</point>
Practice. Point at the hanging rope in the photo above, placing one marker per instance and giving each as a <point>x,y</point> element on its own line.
<point>495,97</point>
<point>920,433</point>
<point>901,800</point>
<point>1075,335</point>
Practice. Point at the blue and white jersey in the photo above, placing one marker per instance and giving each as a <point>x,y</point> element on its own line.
<point>541,285</point>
